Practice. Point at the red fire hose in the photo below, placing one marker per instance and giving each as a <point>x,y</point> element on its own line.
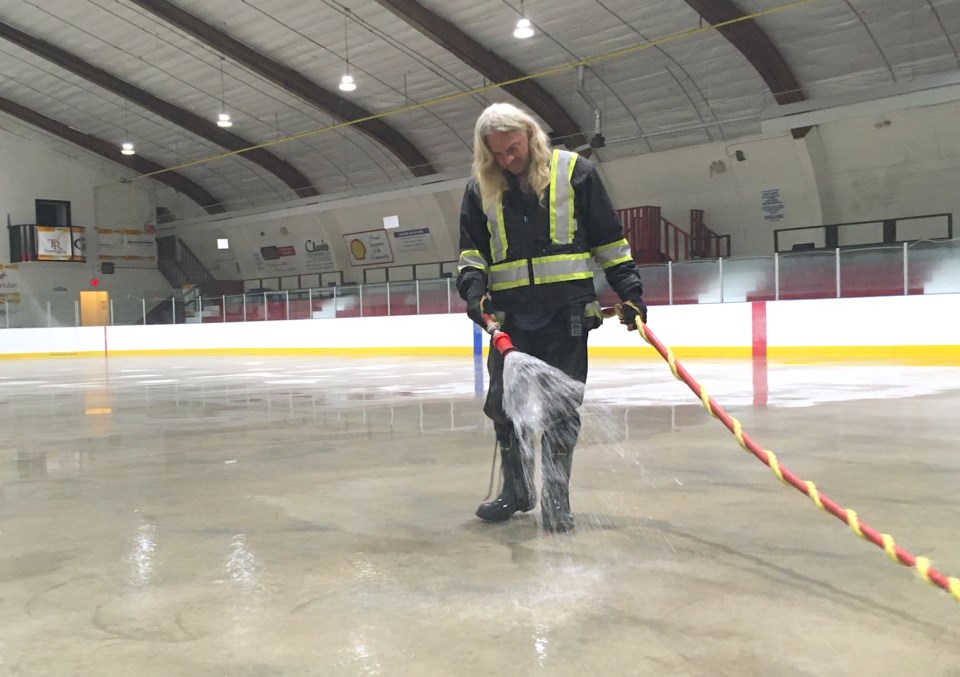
<point>921,565</point>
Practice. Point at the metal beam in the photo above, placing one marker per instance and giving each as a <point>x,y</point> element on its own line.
<point>110,151</point>
<point>756,45</point>
<point>294,82</point>
<point>206,129</point>
<point>494,67</point>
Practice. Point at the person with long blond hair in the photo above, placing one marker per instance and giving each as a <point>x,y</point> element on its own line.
<point>531,219</point>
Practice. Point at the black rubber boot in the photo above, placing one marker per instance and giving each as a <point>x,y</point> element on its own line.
<point>516,495</point>
<point>557,464</point>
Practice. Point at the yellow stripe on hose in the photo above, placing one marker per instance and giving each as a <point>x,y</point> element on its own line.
<point>774,465</point>
<point>705,400</point>
<point>738,433</point>
<point>954,584</point>
<point>673,365</point>
<point>854,523</point>
<point>814,494</point>
<point>923,569</point>
<point>888,547</point>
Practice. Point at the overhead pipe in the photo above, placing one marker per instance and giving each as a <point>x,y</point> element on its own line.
<point>597,141</point>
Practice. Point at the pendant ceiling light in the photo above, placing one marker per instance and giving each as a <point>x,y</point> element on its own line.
<point>524,28</point>
<point>346,82</point>
<point>223,119</point>
<point>126,148</point>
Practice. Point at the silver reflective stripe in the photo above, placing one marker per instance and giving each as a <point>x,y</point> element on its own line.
<point>471,258</point>
<point>508,275</point>
<point>546,269</point>
<point>498,231</point>
<point>612,254</point>
<point>562,223</point>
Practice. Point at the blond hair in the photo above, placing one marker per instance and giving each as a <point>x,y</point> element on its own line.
<point>505,117</point>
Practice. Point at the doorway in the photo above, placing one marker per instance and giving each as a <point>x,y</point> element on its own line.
<point>94,308</point>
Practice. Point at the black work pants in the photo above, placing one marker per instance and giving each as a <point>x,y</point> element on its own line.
<point>555,345</point>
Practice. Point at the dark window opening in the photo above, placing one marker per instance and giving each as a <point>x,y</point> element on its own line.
<point>53,213</point>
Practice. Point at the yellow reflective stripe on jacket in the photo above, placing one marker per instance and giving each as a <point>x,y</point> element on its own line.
<point>612,254</point>
<point>546,270</point>
<point>508,275</point>
<point>471,258</point>
<point>498,234</point>
<point>562,223</point>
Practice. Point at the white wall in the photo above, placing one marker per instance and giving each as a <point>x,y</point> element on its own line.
<point>327,222</point>
<point>896,164</point>
<point>97,198</point>
<point>848,170</point>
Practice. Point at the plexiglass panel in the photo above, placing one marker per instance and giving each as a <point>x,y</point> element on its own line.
<point>696,282</point>
<point>934,267</point>
<point>748,279</point>
<point>808,275</point>
<point>656,285</point>
<point>439,296</point>
<point>403,298</point>
<point>877,271</point>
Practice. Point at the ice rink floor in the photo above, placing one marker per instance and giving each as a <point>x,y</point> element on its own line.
<point>314,516</point>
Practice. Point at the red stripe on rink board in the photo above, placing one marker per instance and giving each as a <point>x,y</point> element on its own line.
<point>759,329</point>
<point>760,385</point>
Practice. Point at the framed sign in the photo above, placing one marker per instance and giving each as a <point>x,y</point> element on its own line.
<point>368,247</point>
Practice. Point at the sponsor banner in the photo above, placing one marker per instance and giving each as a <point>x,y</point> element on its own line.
<point>60,243</point>
<point>413,241</point>
<point>9,309</point>
<point>9,278</point>
<point>319,256</point>
<point>368,247</point>
<point>276,259</point>
<point>130,246</point>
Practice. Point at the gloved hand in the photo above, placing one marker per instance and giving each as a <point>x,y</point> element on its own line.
<point>477,307</point>
<point>629,311</point>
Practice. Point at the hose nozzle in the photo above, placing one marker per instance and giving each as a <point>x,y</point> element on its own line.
<point>502,342</point>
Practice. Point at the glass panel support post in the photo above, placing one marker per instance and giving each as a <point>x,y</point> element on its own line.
<point>776,276</point>
<point>906,271</point>
<point>837,266</point>
<point>670,283</point>
<point>720,270</point>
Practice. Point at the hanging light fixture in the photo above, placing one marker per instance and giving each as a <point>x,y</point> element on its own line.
<point>524,28</point>
<point>346,82</point>
<point>223,119</point>
<point>126,148</point>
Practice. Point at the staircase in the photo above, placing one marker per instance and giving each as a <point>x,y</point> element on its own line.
<point>654,239</point>
<point>177,262</point>
<point>185,273</point>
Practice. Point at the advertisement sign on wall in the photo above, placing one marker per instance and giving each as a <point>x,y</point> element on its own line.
<point>368,247</point>
<point>9,296</point>
<point>414,241</point>
<point>132,246</point>
<point>60,243</point>
<point>319,256</point>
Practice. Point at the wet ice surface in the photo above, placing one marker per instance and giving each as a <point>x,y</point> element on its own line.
<point>303,515</point>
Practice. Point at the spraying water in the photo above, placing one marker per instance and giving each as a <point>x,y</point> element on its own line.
<point>540,399</point>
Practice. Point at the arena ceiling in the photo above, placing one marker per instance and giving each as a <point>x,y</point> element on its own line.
<point>83,76</point>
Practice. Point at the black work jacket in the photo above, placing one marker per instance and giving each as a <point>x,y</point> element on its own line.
<point>527,225</point>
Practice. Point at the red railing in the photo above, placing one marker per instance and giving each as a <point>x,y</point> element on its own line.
<point>654,239</point>
<point>704,243</point>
